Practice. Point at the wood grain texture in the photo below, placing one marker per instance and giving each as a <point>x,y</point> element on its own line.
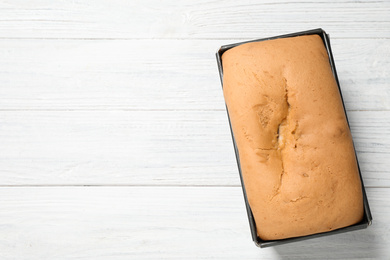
<point>125,95</point>
<point>158,74</point>
<point>160,223</point>
<point>148,147</point>
<point>191,19</point>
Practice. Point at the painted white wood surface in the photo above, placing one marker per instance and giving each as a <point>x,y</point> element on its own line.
<point>191,19</point>
<point>159,74</point>
<point>160,223</point>
<point>125,96</point>
<point>149,147</point>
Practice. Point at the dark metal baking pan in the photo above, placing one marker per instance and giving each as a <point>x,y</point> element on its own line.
<point>367,218</point>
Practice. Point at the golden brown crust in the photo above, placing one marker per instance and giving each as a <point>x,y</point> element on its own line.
<point>295,147</point>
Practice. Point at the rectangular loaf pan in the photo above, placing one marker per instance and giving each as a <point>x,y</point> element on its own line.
<point>367,218</point>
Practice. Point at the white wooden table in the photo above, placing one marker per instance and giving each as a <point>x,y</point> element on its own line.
<point>114,138</point>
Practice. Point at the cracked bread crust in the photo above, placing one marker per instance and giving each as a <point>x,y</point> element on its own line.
<point>295,147</point>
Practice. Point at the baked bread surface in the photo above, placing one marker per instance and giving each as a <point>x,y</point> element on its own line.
<point>295,147</point>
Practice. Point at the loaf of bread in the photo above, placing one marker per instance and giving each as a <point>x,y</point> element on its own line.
<point>295,147</point>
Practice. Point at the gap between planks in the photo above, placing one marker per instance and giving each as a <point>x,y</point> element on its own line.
<point>147,109</point>
<point>144,185</point>
<point>162,39</point>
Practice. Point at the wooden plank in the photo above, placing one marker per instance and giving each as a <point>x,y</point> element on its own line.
<point>160,223</point>
<point>158,74</point>
<point>148,147</point>
<point>188,19</point>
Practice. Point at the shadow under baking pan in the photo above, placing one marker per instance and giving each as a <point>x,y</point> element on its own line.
<point>360,244</point>
<point>367,218</point>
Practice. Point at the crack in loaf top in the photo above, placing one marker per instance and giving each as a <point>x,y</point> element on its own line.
<point>295,147</point>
